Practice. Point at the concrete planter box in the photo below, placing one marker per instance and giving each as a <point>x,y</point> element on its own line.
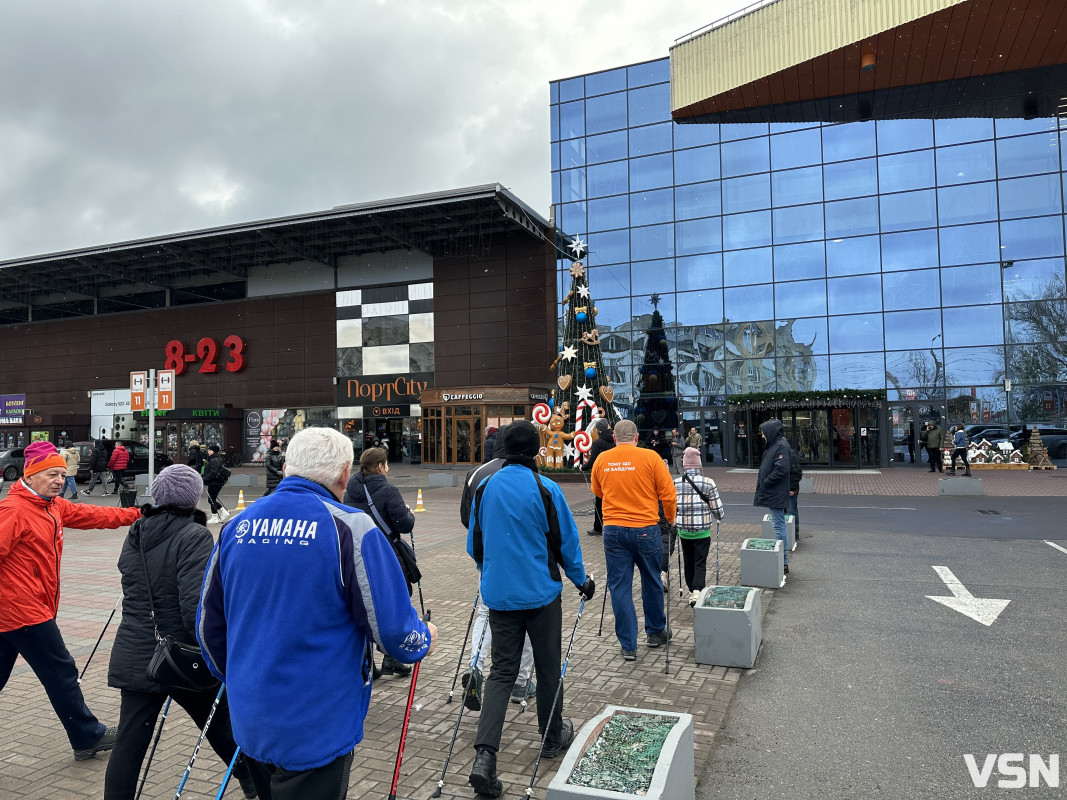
<point>965,487</point>
<point>727,636</point>
<point>807,486</point>
<point>672,779</point>
<point>762,567</point>
<point>790,530</point>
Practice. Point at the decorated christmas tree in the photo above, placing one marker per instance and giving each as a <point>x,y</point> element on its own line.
<point>583,394</point>
<point>657,403</point>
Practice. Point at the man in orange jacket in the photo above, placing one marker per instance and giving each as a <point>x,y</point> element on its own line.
<point>32,518</point>
<point>632,483</point>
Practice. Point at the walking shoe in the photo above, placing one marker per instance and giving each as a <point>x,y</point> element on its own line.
<point>390,666</point>
<point>225,514</point>
<point>694,597</point>
<point>88,492</point>
<point>483,775</point>
<point>376,673</point>
<point>523,690</point>
<point>658,638</point>
<point>108,494</point>
<point>786,569</point>
<point>566,736</point>
<point>248,787</point>
<point>105,742</point>
<point>472,691</point>
<point>629,655</point>
<point>213,519</point>
<point>595,533</point>
<point>74,496</point>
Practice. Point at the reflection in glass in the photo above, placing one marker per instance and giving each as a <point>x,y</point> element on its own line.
<point>650,139</point>
<point>649,208</point>
<point>969,244</point>
<point>807,334</point>
<point>803,298</point>
<point>855,256</point>
<point>851,179</point>
<point>606,147</point>
<point>699,272</point>
<point>699,236</point>
<point>911,250</point>
<point>974,285</point>
<point>798,149</point>
<point>895,135</point>
<point>606,113</point>
<point>741,267</point>
<point>651,104</point>
<point>610,281</point>
<point>385,330</point>
<point>906,171</point>
<point>849,140</point>
<point>749,302</point>
<point>1030,197</point>
<point>1032,238</point>
<point>747,230</point>
<point>604,82</point>
<point>650,172</point>
<point>956,131</point>
<point>745,157</point>
<point>913,289</point>
<point>912,329</point>
<point>697,200</point>
<point>920,370</point>
<point>1037,321</point>
<point>1027,155</point>
<point>749,193</point>
<point>698,164</point>
<point>572,119</point>
<point>965,163</point>
<point>975,365</point>
<point>700,308</point>
<point>972,325</point>
<point>1034,280</point>
<point>607,213</point>
<point>796,261</point>
<point>973,202</point>
<point>421,357</point>
<point>752,375</point>
<point>798,224</point>
<point>605,179</point>
<point>1033,363</point>
<point>857,369</point>
<point>851,217</point>
<point>802,373</point>
<point>901,212</point>
<point>797,186</point>
<point>857,294</point>
<point>856,333</point>
<point>609,248</point>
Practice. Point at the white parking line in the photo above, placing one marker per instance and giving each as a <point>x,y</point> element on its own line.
<point>1053,544</point>
<point>860,508</point>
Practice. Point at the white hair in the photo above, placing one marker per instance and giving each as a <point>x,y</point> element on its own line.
<point>319,455</point>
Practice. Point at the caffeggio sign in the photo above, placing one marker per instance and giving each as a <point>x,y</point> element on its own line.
<point>374,390</point>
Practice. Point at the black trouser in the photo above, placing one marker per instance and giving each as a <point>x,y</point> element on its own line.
<point>510,628</point>
<point>934,454</point>
<point>137,720</point>
<point>695,559</point>
<point>95,478</point>
<point>329,782</point>
<point>43,648</point>
<point>598,516</point>
<point>118,475</point>
<point>213,497</point>
<point>961,452</point>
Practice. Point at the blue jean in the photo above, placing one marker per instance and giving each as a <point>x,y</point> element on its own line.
<point>68,483</point>
<point>792,509</point>
<point>778,521</point>
<point>625,548</point>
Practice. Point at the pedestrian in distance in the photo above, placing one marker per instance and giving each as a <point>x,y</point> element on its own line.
<point>97,467</point>
<point>521,524</point>
<point>796,472</point>
<point>633,482</point>
<point>678,446</point>
<point>490,444</point>
<point>32,520</point>
<point>933,447</point>
<point>162,563</point>
<point>297,591</point>
<point>216,473</point>
<point>273,463</point>
<point>959,444</point>
<point>120,459</point>
<point>694,520</point>
<point>660,445</point>
<point>195,458</point>
<point>741,440</point>
<point>772,483</point>
<point>694,439</point>
<point>72,458</point>
<point>605,441</point>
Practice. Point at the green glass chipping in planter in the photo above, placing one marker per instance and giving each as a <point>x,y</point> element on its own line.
<point>762,544</point>
<point>624,755</point>
<point>727,596</point>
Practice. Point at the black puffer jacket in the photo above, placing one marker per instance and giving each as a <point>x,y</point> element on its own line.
<point>605,441</point>
<point>772,485</point>
<point>387,501</point>
<point>215,471</point>
<point>196,458</point>
<point>99,457</point>
<point>176,548</point>
<point>274,462</point>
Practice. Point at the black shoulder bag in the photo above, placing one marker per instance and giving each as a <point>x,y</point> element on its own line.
<point>175,664</point>
<point>404,552</point>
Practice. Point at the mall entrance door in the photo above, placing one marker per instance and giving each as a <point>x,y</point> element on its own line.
<point>403,435</point>
<point>709,424</point>
<point>908,420</point>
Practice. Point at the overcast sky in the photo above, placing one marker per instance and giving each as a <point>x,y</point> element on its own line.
<point>121,119</point>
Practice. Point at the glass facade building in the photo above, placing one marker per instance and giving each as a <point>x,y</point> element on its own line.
<point>922,257</point>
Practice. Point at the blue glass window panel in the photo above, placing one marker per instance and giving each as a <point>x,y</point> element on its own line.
<point>844,142</point>
<point>855,256</point>
<point>1034,280</point>
<point>700,308</point>
<point>555,153</point>
<point>652,276</point>
<point>972,202</point>
<point>745,157</point>
<point>695,135</point>
<point>797,261</point>
<point>749,303</point>
<point>975,365</point>
<point>966,286</point>
<point>802,373</point>
<point>650,139</point>
<point>650,172</point>
<point>912,250</point>
<point>609,281</point>
<point>913,289</point>
<point>1037,237</point>
<point>650,208</point>
<point>906,171</point>
<point>654,241</point>
<point>912,330</point>
<point>572,88</point>
<point>553,92</point>
<point>606,147</point>
<point>572,184</point>
<point>747,230</point>
<point>641,306</point>
<point>698,164</point>
<point>605,113</point>
<point>553,123</point>
<point>797,149</point>
<point>855,295</point>
<point>555,188</point>
<point>610,178</point>
<point>604,82</point>
<point>649,72</point>
<point>572,119</point>
<point>648,105</point>
<point>796,186</point>
<point>801,336</point>
<point>742,130</point>
<point>1017,127</point>
<point>699,236</point>
<point>897,135</point>
<point>909,210</point>
<point>572,218</point>
<point>973,325</point>
<point>742,267</point>
<point>851,179</point>
<point>800,298</point>
<point>699,272</point>
<point>969,244</point>
<point>798,224</point>
<point>965,163</point>
<point>1030,197</point>
<point>957,131</point>
<point>858,371</point>
<point>1036,321</point>
<point>749,193</point>
<point>697,200</point>
<point>851,217</point>
<point>608,213</point>
<point>608,248</point>
<point>613,314</point>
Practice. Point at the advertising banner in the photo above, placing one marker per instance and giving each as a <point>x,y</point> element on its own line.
<point>383,391</point>
<point>12,407</point>
<point>260,427</point>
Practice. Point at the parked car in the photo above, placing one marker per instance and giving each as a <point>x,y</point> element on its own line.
<point>990,434</point>
<point>11,463</point>
<point>138,459</point>
<point>1054,439</point>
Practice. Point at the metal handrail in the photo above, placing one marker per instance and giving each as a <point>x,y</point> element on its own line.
<point>751,7</point>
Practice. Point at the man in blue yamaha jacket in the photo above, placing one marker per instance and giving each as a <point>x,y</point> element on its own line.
<point>297,590</point>
<point>521,525</point>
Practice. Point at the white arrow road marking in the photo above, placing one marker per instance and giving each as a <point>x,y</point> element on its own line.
<point>985,611</point>
<point>1053,544</point>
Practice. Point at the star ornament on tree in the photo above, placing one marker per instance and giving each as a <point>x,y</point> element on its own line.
<point>578,247</point>
<point>569,352</point>
<point>585,393</point>
<point>583,291</point>
<point>569,451</point>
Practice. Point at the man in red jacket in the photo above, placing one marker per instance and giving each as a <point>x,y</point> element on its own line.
<point>32,518</point>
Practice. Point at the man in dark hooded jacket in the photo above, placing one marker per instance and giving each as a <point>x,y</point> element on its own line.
<point>98,466</point>
<point>605,440</point>
<point>772,484</point>
<point>489,448</point>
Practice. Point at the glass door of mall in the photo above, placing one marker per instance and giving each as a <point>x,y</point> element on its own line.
<point>709,424</point>
<point>823,437</point>
<point>908,420</point>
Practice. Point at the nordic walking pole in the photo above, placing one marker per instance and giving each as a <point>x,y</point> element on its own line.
<point>199,742</point>
<point>716,552</point>
<point>100,638</point>
<point>555,697</point>
<point>667,605</point>
<point>463,649</point>
<point>407,719</point>
<point>229,771</point>
<point>159,732</point>
<point>422,606</point>
<point>603,604</point>
<point>678,546</point>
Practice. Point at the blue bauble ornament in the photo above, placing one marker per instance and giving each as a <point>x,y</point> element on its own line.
<point>580,316</point>
<point>590,373</point>
<point>551,402</point>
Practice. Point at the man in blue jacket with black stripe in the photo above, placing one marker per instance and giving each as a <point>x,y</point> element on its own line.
<point>521,525</point>
<point>297,591</point>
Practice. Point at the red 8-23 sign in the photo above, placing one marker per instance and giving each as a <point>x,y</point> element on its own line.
<point>207,353</point>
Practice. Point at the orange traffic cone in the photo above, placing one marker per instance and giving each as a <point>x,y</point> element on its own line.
<point>241,500</point>
<point>418,503</point>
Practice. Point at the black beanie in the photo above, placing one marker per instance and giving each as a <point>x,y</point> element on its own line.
<point>521,439</point>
